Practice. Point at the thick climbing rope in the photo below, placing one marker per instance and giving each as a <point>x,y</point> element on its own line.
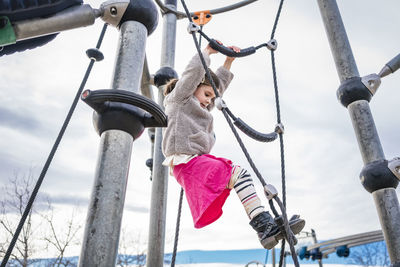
<point>51,155</point>
<point>178,219</point>
<point>201,28</point>
<point>278,119</point>
<point>223,109</point>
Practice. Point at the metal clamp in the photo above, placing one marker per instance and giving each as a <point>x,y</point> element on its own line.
<point>113,10</point>
<point>201,18</point>
<point>192,28</point>
<point>394,166</point>
<point>219,103</point>
<point>372,82</point>
<point>169,8</point>
<point>272,45</point>
<point>279,129</point>
<point>270,191</point>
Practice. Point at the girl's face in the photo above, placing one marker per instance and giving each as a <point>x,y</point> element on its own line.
<point>205,95</point>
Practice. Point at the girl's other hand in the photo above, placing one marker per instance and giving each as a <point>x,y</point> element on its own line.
<point>209,50</point>
<point>234,48</point>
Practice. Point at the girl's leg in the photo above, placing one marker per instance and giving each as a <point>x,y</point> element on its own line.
<point>242,182</point>
<point>268,231</point>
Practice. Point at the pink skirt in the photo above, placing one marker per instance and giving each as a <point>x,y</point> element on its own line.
<point>205,179</point>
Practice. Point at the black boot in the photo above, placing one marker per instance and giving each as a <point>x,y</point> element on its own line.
<point>268,231</point>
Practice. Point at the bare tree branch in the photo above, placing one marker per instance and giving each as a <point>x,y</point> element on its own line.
<point>372,254</point>
<point>13,202</point>
<point>130,250</point>
<point>59,238</point>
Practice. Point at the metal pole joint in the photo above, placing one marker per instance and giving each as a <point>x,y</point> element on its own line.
<point>113,10</point>
<point>143,11</point>
<point>377,175</point>
<point>116,12</point>
<point>352,90</point>
<point>394,166</point>
<point>372,82</point>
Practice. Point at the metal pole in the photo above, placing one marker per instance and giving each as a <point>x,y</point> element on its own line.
<point>389,217</point>
<point>314,236</point>
<point>100,244</point>
<point>273,257</point>
<point>71,18</point>
<point>158,206</point>
<point>181,15</point>
<point>371,150</point>
<point>169,37</point>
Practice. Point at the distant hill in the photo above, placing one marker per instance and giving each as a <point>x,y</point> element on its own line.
<point>371,254</point>
<point>240,257</point>
<point>247,255</point>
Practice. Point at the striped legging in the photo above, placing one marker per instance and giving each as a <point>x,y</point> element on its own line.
<point>242,182</point>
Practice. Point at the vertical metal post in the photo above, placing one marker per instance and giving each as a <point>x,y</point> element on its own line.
<point>386,201</point>
<point>314,236</point>
<point>273,257</point>
<point>169,37</point>
<point>158,206</point>
<point>389,217</point>
<point>100,244</point>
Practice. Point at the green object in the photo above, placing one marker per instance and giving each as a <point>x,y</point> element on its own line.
<point>7,34</point>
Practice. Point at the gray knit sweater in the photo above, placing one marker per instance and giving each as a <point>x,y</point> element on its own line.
<point>190,127</point>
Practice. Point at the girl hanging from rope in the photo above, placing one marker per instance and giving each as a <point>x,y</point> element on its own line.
<point>188,139</point>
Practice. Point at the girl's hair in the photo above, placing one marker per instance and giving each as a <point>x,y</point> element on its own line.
<point>171,84</point>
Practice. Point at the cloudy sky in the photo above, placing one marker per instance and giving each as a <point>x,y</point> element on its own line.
<point>321,152</point>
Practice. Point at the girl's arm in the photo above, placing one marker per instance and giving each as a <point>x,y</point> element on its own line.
<point>223,72</point>
<point>228,61</point>
<point>192,76</point>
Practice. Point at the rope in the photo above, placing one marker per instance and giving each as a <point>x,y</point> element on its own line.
<point>51,156</point>
<point>289,237</point>
<point>282,253</point>
<point>278,14</point>
<point>201,28</point>
<point>278,119</point>
<point>178,219</point>
<point>246,153</point>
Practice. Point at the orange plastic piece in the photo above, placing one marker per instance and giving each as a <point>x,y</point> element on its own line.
<point>202,17</point>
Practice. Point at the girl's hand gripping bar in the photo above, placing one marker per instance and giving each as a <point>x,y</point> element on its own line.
<point>229,52</point>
